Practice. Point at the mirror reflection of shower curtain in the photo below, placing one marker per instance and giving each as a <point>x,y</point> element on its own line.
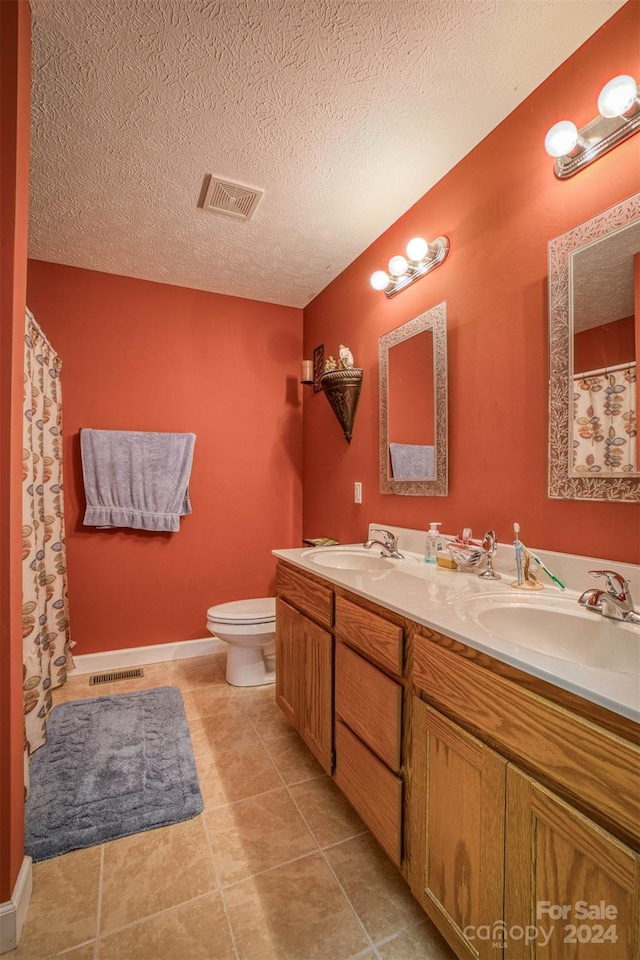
<point>45,615</point>
<point>605,421</point>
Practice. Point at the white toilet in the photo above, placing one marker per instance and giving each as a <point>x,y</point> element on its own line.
<point>249,627</point>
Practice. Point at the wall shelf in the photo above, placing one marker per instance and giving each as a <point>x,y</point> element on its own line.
<point>342,390</point>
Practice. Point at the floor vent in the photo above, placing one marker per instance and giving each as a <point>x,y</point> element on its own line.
<point>115,675</point>
<point>232,199</point>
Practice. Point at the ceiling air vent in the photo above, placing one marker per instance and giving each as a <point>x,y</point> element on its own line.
<point>232,199</point>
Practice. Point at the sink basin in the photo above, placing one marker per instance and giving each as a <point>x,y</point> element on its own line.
<point>558,627</point>
<point>352,559</point>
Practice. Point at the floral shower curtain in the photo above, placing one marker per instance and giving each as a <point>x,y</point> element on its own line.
<point>45,621</point>
<point>605,422</point>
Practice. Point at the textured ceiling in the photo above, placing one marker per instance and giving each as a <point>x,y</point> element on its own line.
<point>344,111</point>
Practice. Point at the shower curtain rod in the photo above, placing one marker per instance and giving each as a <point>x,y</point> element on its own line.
<point>40,331</point>
<point>604,370</point>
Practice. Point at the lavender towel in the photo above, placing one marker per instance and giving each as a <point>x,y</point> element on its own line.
<point>412,461</point>
<point>138,480</point>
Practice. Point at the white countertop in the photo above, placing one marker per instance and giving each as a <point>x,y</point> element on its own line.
<point>438,598</point>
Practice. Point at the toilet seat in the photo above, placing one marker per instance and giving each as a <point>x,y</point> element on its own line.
<point>259,610</point>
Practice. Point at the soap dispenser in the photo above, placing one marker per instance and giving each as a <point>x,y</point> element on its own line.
<point>431,548</point>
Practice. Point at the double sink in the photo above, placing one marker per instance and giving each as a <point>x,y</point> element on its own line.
<point>553,625</point>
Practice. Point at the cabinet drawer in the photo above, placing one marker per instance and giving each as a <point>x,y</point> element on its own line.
<point>370,703</point>
<point>374,792</point>
<point>306,594</point>
<point>377,638</point>
<point>596,767</point>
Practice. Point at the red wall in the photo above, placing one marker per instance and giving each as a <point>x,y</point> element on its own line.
<point>499,207</point>
<point>15,79</point>
<point>148,356</point>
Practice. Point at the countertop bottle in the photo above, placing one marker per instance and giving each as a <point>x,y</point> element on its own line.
<point>431,547</point>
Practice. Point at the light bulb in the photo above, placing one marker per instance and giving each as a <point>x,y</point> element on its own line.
<point>417,249</point>
<point>618,96</point>
<point>561,139</point>
<point>379,280</point>
<point>397,266</point>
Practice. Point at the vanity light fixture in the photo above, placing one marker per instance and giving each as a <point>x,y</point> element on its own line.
<point>422,257</point>
<point>618,118</point>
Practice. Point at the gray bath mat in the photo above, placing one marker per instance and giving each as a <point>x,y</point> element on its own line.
<point>111,766</point>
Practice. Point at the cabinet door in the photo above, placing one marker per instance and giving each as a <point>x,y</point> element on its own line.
<point>315,712</point>
<point>287,661</point>
<point>569,883</point>
<point>457,830</point>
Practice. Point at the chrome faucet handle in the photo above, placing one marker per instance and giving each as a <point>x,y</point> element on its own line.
<point>489,547</point>
<point>389,538</point>
<point>616,584</point>
<point>389,543</point>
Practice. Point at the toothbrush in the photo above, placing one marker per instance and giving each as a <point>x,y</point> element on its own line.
<point>547,571</point>
<point>518,545</point>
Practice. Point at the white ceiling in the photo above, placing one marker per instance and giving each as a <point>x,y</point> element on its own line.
<point>345,112</point>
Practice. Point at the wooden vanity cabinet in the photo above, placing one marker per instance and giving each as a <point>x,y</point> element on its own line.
<point>524,816</point>
<point>512,807</point>
<point>304,660</point>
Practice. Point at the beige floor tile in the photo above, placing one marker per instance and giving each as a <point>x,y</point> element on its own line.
<point>64,905</point>
<point>197,672</point>
<point>208,701</point>
<point>151,871</point>
<point>329,815</point>
<point>257,834</point>
<point>76,688</point>
<point>200,704</point>
<point>295,912</point>
<point>293,759</point>
<point>236,774</point>
<point>194,931</point>
<point>422,942</point>
<point>266,715</point>
<point>376,890</point>
<point>85,952</point>
<point>229,729</point>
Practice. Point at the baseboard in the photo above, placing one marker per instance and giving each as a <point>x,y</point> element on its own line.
<point>13,912</point>
<point>138,656</point>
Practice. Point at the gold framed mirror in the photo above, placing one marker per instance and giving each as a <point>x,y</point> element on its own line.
<point>413,406</point>
<point>594,334</point>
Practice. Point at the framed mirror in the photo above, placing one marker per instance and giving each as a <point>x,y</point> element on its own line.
<point>413,406</point>
<point>594,336</point>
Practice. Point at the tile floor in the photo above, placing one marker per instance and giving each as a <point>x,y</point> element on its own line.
<point>277,867</point>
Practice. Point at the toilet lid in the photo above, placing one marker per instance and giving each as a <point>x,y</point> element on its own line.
<point>260,610</point>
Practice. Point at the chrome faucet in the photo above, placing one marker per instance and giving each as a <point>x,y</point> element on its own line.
<point>389,544</point>
<point>615,602</point>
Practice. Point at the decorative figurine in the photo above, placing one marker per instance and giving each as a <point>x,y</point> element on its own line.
<point>329,365</point>
<point>346,358</point>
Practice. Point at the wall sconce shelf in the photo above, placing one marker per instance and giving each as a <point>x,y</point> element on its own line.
<point>342,390</point>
